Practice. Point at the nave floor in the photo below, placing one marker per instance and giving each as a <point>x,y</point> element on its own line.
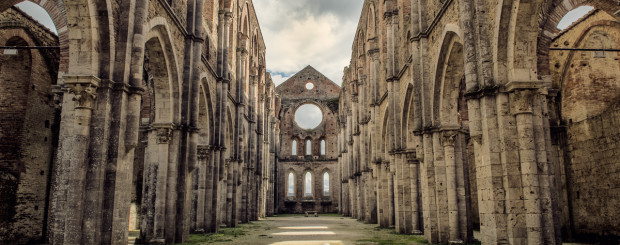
<point>297,230</point>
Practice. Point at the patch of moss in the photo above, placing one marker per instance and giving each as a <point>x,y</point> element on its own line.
<point>223,235</point>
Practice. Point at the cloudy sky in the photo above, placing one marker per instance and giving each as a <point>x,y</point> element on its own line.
<point>308,32</point>
<point>303,32</point>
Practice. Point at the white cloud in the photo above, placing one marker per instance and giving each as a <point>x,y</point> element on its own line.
<point>308,32</point>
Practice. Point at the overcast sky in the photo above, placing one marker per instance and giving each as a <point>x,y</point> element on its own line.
<point>303,32</point>
<point>308,32</point>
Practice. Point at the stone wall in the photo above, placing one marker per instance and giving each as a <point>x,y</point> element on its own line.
<point>300,202</point>
<point>466,103</point>
<point>324,94</point>
<point>593,174</point>
<point>587,116</point>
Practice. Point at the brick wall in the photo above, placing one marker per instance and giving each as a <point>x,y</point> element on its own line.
<point>27,137</point>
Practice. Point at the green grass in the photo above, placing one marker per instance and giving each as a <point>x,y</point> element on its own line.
<point>392,237</point>
<point>312,215</point>
<point>223,235</point>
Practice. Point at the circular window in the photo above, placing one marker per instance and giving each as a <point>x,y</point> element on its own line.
<point>309,86</point>
<point>308,116</point>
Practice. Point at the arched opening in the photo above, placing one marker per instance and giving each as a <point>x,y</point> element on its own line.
<point>202,184</point>
<point>451,114</point>
<point>308,147</point>
<point>326,184</point>
<point>308,184</point>
<point>294,148</point>
<point>290,188</point>
<point>323,147</point>
<point>157,137</point>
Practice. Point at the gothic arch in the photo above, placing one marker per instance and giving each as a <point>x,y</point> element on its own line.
<point>205,117</point>
<point>581,95</point>
<point>408,118</point>
<point>449,75</point>
<point>551,15</point>
<point>166,82</point>
<point>288,183</point>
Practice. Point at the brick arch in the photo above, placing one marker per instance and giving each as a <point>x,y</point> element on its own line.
<point>551,15</point>
<point>57,12</point>
<point>28,36</point>
<point>591,89</point>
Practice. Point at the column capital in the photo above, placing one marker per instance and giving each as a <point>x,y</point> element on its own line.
<point>84,89</point>
<point>203,152</point>
<point>164,132</point>
<point>374,54</point>
<point>448,137</point>
<point>522,101</point>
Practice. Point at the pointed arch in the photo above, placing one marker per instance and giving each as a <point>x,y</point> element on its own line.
<point>290,183</point>
<point>308,184</point>
<point>164,68</point>
<point>326,183</point>
<point>448,77</point>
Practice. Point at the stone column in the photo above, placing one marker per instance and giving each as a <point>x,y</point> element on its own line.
<point>448,139</point>
<point>390,194</point>
<point>200,183</point>
<point>211,192</point>
<point>155,186</point>
<point>431,229</point>
<point>529,166</point>
<point>413,165</point>
<point>66,204</point>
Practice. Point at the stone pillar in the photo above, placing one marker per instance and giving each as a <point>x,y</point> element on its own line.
<point>413,165</point>
<point>529,166</point>
<point>66,204</point>
<point>212,192</point>
<point>390,194</point>
<point>156,165</point>
<point>200,183</point>
<point>431,229</point>
<point>448,139</point>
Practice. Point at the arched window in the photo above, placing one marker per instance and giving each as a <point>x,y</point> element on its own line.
<point>290,190</point>
<point>294,148</point>
<point>308,147</point>
<point>308,184</point>
<point>322,147</point>
<point>326,184</point>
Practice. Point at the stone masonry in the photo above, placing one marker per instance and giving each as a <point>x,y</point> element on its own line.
<point>293,94</point>
<point>453,115</point>
<point>157,116</point>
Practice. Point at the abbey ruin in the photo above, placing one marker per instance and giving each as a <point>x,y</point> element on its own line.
<point>160,117</point>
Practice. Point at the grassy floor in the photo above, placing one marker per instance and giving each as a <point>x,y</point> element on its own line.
<point>224,235</point>
<point>396,239</point>
<point>320,214</point>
